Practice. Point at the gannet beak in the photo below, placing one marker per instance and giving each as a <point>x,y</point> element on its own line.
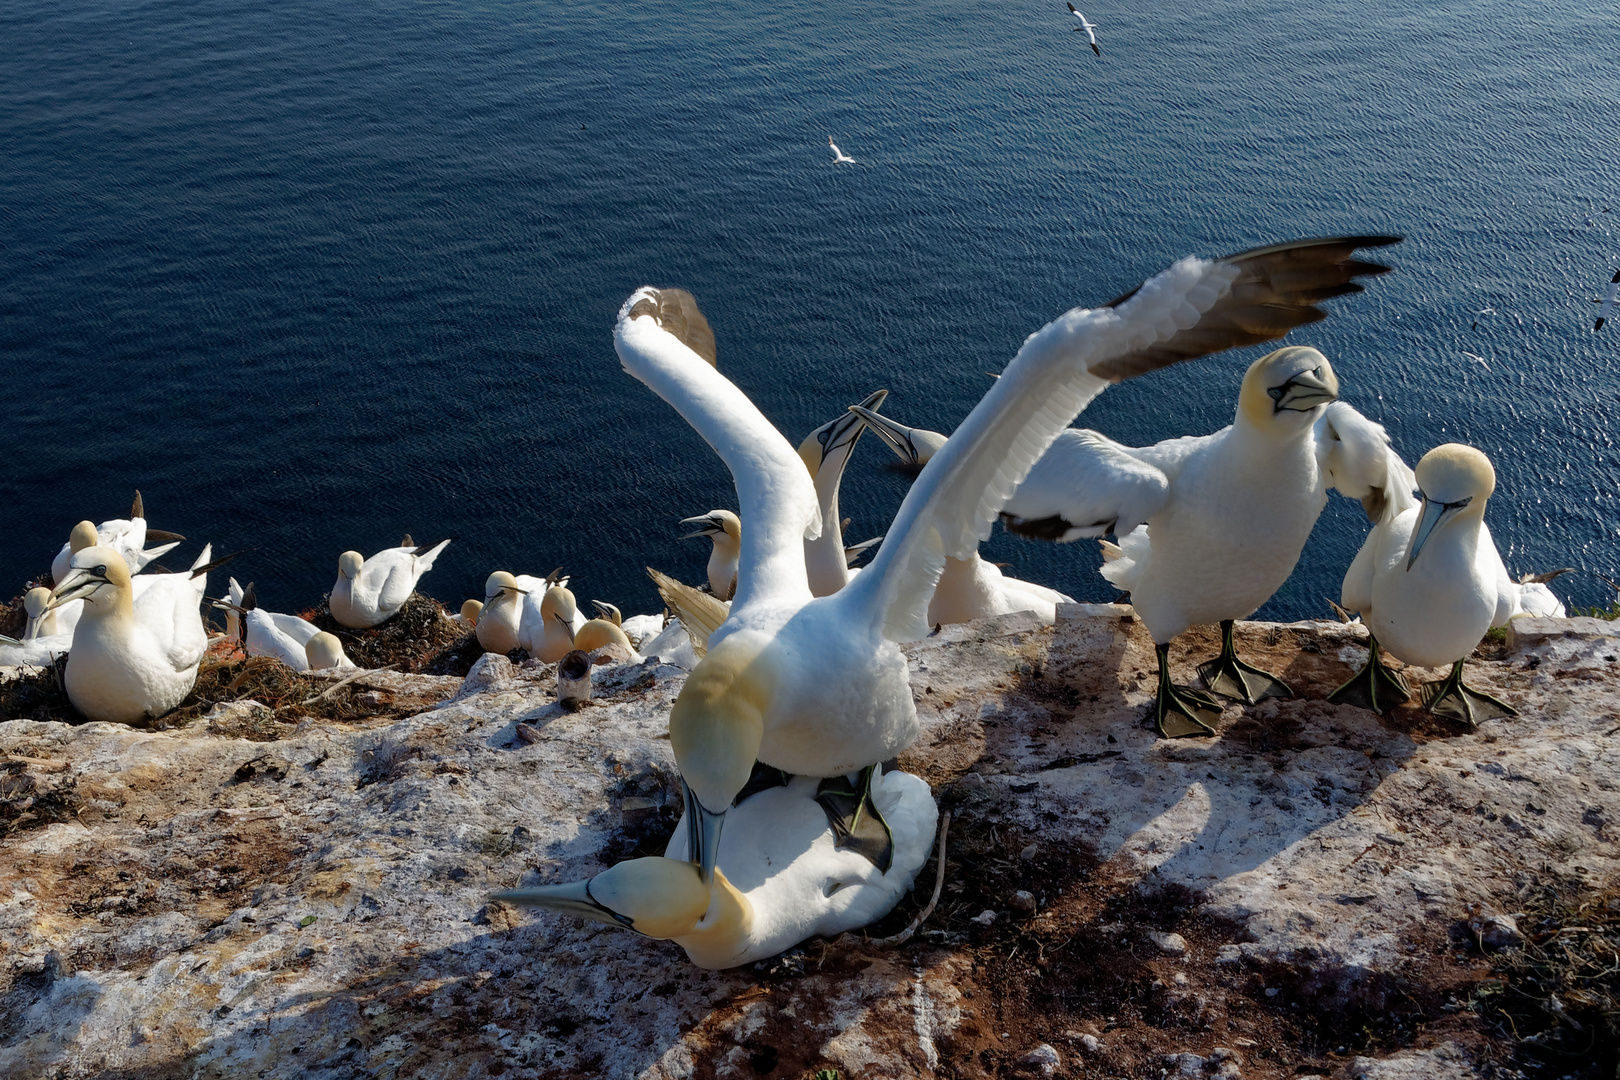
<point>1434,515</point>
<point>574,898</point>
<point>77,583</point>
<point>898,436</point>
<point>707,526</point>
<point>843,433</point>
<point>1304,392</point>
<point>566,625</point>
<point>703,828</point>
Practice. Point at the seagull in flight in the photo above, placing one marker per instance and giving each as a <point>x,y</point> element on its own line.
<point>839,157</point>
<point>1090,28</point>
<point>1607,302</point>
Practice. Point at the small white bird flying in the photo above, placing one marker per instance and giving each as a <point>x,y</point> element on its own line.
<point>839,157</point>
<point>818,686</point>
<point>1478,359</point>
<point>1607,302</point>
<point>371,591</point>
<point>1089,28</point>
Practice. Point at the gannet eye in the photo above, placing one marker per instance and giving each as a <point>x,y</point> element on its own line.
<point>823,436</point>
<point>1459,504</point>
<point>1275,393</point>
<point>100,571</point>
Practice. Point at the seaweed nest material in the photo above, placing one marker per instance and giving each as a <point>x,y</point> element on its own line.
<point>418,637</point>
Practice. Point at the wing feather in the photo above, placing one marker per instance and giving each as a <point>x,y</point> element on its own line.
<point>1085,485</point>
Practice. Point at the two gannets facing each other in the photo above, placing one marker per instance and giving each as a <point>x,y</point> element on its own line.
<point>781,877</point>
<point>818,686</point>
<point>969,588</point>
<point>371,591</point>
<point>509,599</point>
<point>724,529</point>
<point>132,663</point>
<point>127,537</point>
<point>1429,582</point>
<point>1211,526</point>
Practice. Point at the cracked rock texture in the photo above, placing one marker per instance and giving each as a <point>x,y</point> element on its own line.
<point>200,905</point>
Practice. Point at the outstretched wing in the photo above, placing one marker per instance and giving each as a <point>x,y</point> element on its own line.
<point>1194,308</point>
<point>658,339</point>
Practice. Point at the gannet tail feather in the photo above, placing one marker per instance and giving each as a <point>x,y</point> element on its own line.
<point>700,613</point>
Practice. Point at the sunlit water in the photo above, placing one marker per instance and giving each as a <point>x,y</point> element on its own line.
<point>312,276</point>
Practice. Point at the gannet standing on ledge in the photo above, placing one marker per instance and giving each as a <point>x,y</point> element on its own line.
<point>1211,526</point>
<point>1429,582</point>
<point>818,686</point>
<point>371,591</point>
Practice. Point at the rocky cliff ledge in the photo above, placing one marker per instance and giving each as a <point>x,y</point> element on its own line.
<point>1317,891</point>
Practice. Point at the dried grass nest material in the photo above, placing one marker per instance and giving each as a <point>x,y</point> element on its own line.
<point>420,636</point>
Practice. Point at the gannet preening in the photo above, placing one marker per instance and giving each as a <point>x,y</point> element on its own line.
<point>127,537</point>
<point>781,877</point>
<point>839,157</point>
<point>817,686</point>
<point>45,621</point>
<point>605,629</point>
<point>1428,583</point>
<point>131,663</point>
<point>1607,302</point>
<point>370,591</point>
<point>1210,527</point>
<point>825,452</point>
<point>269,633</point>
<point>324,651</point>
<point>1090,28</point>
<point>725,530</point>
<point>968,588</point>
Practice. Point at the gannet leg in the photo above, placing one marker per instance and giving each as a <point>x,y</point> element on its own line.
<point>1376,686</point>
<point>1181,711</point>
<point>1448,697</point>
<point>1231,677</point>
<point>855,818</point>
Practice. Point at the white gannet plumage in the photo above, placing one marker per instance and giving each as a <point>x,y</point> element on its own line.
<point>126,536</point>
<point>371,591</point>
<point>817,685</point>
<point>1607,302</point>
<point>508,599</point>
<point>825,452</point>
<point>839,157</point>
<point>1088,28</point>
<point>131,662</point>
<point>1429,582</point>
<point>969,588</point>
<point>780,878</point>
<point>269,633</point>
<point>548,633</point>
<point>724,530</point>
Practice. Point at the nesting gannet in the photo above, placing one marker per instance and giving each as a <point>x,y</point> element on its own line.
<point>1428,582</point>
<point>724,529</point>
<point>596,633</point>
<point>127,537</point>
<point>817,686</point>
<point>968,588</point>
<point>131,663</point>
<point>550,637</point>
<point>45,621</point>
<point>1607,303</point>
<point>269,633</point>
<point>1089,28</point>
<point>469,613</point>
<point>501,616</point>
<point>839,157</point>
<point>781,877</point>
<point>324,652</point>
<point>370,591</point>
<point>1210,527</point>
<point>825,452</point>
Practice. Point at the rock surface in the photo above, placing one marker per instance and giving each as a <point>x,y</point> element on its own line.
<point>188,903</point>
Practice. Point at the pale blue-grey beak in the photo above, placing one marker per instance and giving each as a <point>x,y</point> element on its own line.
<point>702,834</point>
<point>573,897</point>
<point>1433,516</point>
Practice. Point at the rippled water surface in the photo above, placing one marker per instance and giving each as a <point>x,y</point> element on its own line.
<point>314,275</point>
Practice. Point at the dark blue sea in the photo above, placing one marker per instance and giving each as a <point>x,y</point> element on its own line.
<point>315,275</point>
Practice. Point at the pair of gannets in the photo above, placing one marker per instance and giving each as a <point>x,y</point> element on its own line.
<point>127,537</point>
<point>1210,527</point>
<point>817,686</point>
<point>538,615</point>
<point>1429,582</point>
<point>371,591</point>
<point>130,663</point>
<point>781,877</point>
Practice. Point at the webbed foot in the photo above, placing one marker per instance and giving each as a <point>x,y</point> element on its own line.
<point>855,819</point>
<point>1180,711</point>
<point>1449,698</point>
<point>1230,677</point>
<point>1376,686</point>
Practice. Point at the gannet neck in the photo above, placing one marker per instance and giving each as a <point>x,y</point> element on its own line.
<point>774,492</point>
<point>718,720</point>
<point>724,529</point>
<point>825,452</point>
<point>1286,390</point>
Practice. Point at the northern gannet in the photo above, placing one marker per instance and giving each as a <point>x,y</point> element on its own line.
<point>1089,28</point>
<point>603,630</point>
<point>1428,582</point>
<point>370,591</point>
<point>724,529</point>
<point>45,621</point>
<point>127,537</point>
<point>825,452</point>
<point>781,877</point>
<point>551,637</point>
<point>506,597</point>
<point>969,588</point>
<point>470,611</point>
<point>638,628</point>
<point>132,663</point>
<point>1607,303</point>
<point>269,633</point>
<point>817,686</point>
<point>839,157</point>
<point>324,651</point>
<point>1210,527</point>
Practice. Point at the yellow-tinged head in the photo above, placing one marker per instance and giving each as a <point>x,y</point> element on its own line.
<point>830,445</point>
<point>716,524</point>
<point>1455,481</point>
<point>1284,389</point>
<point>599,632</point>
<point>350,563</point>
<point>558,605</point>
<point>97,575</point>
<point>470,610</point>
<point>501,581</point>
<point>324,651</point>
<point>83,536</point>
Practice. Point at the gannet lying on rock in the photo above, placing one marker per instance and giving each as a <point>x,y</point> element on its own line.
<point>781,877</point>
<point>817,686</point>
<point>1210,527</point>
<point>371,591</point>
<point>127,537</point>
<point>1429,582</point>
<point>132,663</point>
<point>269,633</point>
